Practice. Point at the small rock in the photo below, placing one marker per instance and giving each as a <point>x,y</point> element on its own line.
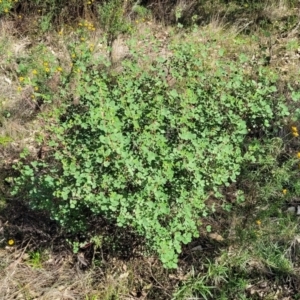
<point>263,284</point>
<point>291,210</point>
<point>197,248</point>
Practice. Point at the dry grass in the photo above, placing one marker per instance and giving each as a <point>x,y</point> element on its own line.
<point>16,108</point>
<point>52,281</point>
<point>60,277</point>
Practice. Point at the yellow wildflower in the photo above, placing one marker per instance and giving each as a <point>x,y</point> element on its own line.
<point>294,129</point>
<point>36,88</point>
<point>21,79</point>
<point>258,222</point>
<point>34,72</point>
<point>59,69</point>
<point>6,10</point>
<point>298,154</point>
<point>284,191</point>
<point>47,70</point>
<point>82,39</point>
<point>10,242</point>
<point>295,133</point>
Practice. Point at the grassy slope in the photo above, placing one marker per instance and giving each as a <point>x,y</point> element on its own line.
<point>251,252</point>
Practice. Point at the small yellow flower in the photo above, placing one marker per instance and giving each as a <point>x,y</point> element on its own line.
<point>47,70</point>
<point>284,191</point>
<point>258,222</point>
<point>36,88</point>
<point>32,96</point>
<point>6,10</point>
<point>82,39</point>
<point>45,64</point>
<point>59,69</point>
<point>10,242</point>
<point>80,24</point>
<point>21,79</point>
<point>295,133</point>
<point>19,89</point>
<point>60,32</point>
<point>73,55</point>
<point>294,129</point>
<point>34,72</point>
<point>298,154</point>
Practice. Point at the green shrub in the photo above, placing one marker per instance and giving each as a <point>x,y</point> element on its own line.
<point>50,12</point>
<point>112,18</point>
<point>144,148</point>
<point>5,6</point>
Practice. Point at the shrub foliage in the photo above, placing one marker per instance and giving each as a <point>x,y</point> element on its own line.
<point>145,147</point>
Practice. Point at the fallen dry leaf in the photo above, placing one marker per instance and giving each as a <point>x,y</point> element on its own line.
<point>216,237</point>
